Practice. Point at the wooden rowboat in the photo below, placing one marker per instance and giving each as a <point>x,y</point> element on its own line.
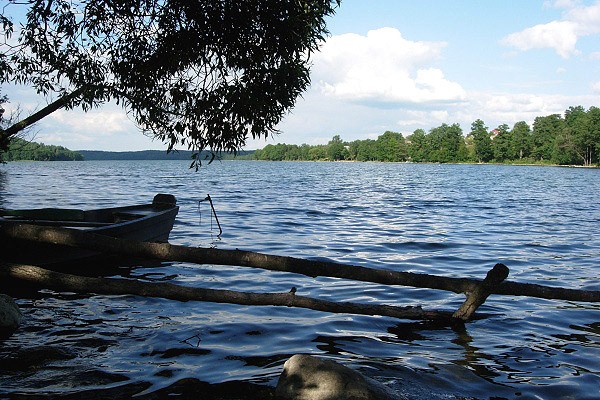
<point>145,222</point>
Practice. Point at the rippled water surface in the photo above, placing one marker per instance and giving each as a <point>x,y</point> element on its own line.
<point>452,220</point>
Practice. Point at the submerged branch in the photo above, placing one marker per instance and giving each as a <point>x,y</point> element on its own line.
<point>40,277</point>
<point>199,255</point>
<point>476,298</point>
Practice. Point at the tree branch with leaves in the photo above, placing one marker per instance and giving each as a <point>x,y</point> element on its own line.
<point>206,74</point>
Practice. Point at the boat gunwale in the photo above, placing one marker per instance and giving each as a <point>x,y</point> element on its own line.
<point>96,224</point>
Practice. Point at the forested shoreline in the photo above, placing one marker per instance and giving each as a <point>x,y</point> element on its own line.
<point>24,150</point>
<point>570,140</point>
<point>96,155</point>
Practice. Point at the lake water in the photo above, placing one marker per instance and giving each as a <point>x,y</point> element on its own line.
<point>451,220</point>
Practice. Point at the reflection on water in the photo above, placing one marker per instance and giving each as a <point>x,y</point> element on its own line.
<point>453,220</point>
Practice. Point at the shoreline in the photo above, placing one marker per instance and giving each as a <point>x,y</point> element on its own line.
<point>336,161</point>
<point>434,163</point>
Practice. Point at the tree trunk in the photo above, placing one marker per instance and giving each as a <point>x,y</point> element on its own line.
<point>199,255</point>
<point>61,102</point>
<point>44,278</point>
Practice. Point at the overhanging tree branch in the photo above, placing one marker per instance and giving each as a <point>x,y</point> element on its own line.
<point>6,134</point>
<point>207,74</point>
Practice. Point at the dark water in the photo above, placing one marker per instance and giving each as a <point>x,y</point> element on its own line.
<point>453,220</point>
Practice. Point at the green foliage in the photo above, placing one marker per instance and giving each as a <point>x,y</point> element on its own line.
<point>207,74</point>
<point>23,150</point>
<point>336,149</point>
<point>391,147</point>
<point>364,150</point>
<point>579,139</point>
<point>593,127</point>
<point>520,141</point>
<point>545,131</point>
<point>482,143</point>
<point>418,150</point>
<point>318,153</point>
<point>279,152</point>
<point>572,140</point>
<point>502,143</point>
<point>446,144</point>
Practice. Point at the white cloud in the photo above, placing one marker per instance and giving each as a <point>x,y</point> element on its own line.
<point>596,87</point>
<point>499,108</point>
<point>561,70</point>
<point>106,128</point>
<point>424,119</point>
<point>586,19</point>
<point>105,122</point>
<point>440,115</point>
<point>560,35</point>
<point>383,68</point>
<point>413,122</point>
<point>561,3</point>
<point>508,104</point>
<point>63,138</point>
<point>595,55</point>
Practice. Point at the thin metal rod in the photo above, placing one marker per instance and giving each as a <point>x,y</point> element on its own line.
<point>215,214</point>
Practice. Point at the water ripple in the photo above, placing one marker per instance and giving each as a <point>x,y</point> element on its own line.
<point>451,220</point>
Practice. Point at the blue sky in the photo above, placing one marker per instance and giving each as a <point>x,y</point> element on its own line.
<point>402,65</point>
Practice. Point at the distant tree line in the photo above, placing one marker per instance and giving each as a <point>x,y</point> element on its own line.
<point>96,155</point>
<point>23,150</point>
<point>570,140</point>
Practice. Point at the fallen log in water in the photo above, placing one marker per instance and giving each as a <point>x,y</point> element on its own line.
<point>44,278</point>
<point>477,297</point>
<point>168,252</point>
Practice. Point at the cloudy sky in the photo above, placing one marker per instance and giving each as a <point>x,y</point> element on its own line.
<point>402,65</point>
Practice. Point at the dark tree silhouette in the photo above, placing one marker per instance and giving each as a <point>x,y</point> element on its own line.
<point>205,73</point>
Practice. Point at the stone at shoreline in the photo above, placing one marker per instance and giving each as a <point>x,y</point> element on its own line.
<point>10,315</point>
<point>310,378</point>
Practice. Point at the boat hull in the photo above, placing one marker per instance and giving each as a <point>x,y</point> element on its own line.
<point>147,222</point>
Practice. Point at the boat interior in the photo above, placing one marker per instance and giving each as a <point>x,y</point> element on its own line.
<point>89,218</point>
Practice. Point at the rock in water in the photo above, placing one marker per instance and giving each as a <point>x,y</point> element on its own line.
<point>309,378</point>
<point>10,315</point>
